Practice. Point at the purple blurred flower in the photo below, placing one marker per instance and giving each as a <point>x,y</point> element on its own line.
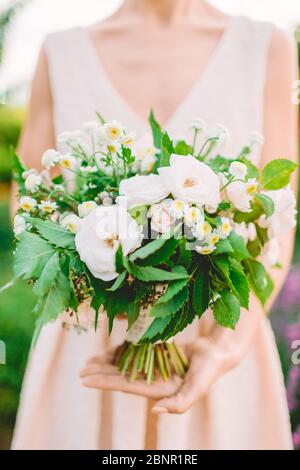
<point>296,438</point>
<point>293,385</point>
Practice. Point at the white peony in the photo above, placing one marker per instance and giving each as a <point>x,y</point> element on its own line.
<point>162,216</point>
<point>191,181</point>
<point>284,217</point>
<point>33,182</point>
<point>50,158</point>
<point>99,237</point>
<point>19,225</point>
<point>143,190</point>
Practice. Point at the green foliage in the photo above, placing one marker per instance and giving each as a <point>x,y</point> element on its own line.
<point>54,233</point>
<point>259,279</point>
<point>201,289</point>
<point>227,309</point>
<point>267,204</point>
<point>276,174</point>
<point>32,254</point>
<point>11,120</point>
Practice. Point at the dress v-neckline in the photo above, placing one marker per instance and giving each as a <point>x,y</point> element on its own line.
<point>124,103</point>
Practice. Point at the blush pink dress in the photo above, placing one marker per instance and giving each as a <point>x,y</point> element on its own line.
<point>246,408</point>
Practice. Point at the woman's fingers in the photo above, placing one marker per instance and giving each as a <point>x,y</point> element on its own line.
<point>99,368</point>
<point>121,383</point>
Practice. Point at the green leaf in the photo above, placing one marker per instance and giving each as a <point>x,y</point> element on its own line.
<point>201,290</point>
<point>18,169</point>
<point>55,234</point>
<point>163,254</point>
<point>157,131</point>
<point>276,174</point>
<point>240,251</point>
<point>254,214</point>
<point>48,275</point>
<point>99,296</point>
<point>173,289</point>
<point>254,248</point>
<point>252,170</point>
<point>259,279</point>
<point>227,309</point>
<point>166,150</point>
<point>56,300</point>
<point>240,285</point>
<point>119,260</point>
<point>175,303</point>
<point>150,274</point>
<point>267,204</point>
<point>182,148</point>
<point>133,311</point>
<point>139,214</point>
<point>225,206</point>
<point>148,249</point>
<point>156,328</point>
<point>185,255</point>
<point>118,282</point>
<point>223,246</point>
<point>32,254</point>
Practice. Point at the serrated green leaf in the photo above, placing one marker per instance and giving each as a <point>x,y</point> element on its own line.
<point>276,174</point>
<point>56,300</point>
<point>267,204</point>
<point>227,310</point>
<point>240,251</point>
<point>182,148</point>
<point>223,246</point>
<point>32,254</point>
<point>148,249</point>
<point>55,234</point>
<point>150,274</point>
<point>162,254</point>
<point>175,303</point>
<point>240,285</point>
<point>119,260</point>
<point>156,328</point>
<point>173,289</point>
<point>48,276</point>
<point>201,290</point>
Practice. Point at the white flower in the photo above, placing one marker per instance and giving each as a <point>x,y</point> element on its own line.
<point>71,222</point>
<point>198,124</point>
<point>70,138</point>
<point>225,228</point>
<point>27,203</point>
<point>252,233</point>
<point>143,190</point>
<point>33,182</point>
<point>128,139</point>
<point>48,206</point>
<point>238,170</point>
<point>191,181</point>
<point>112,147</point>
<point>202,229</point>
<point>145,157</point>
<point>246,231</point>
<point>68,162</point>
<point>113,130</point>
<point>193,216</point>
<point>19,225</point>
<point>271,252</point>
<point>223,135</point>
<point>179,208</point>
<point>88,169</point>
<point>213,238</point>
<point>162,216</point>
<point>101,234</point>
<point>50,158</point>
<point>256,139</point>
<point>284,217</point>
<point>26,173</point>
<point>91,127</point>
<point>240,194</point>
<point>86,208</point>
<point>205,250</point>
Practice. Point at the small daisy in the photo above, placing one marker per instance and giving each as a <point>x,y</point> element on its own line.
<point>71,222</point>
<point>68,162</point>
<point>225,228</point>
<point>27,203</point>
<point>113,130</point>
<point>86,208</point>
<point>251,186</point>
<point>48,206</point>
<point>19,225</point>
<point>205,250</point>
<point>192,216</point>
<point>128,139</point>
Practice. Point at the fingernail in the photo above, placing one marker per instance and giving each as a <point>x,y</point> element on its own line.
<point>159,410</point>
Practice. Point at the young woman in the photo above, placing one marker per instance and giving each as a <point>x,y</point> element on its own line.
<point>184,59</point>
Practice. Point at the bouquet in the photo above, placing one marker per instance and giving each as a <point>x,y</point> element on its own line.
<point>160,232</point>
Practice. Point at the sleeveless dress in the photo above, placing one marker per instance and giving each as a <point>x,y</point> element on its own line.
<point>246,408</point>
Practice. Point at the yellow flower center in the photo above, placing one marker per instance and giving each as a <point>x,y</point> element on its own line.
<point>26,206</point>
<point>189,183</point>
<point>251,188</point>
<point>110,241</point>
<point>65,163</point>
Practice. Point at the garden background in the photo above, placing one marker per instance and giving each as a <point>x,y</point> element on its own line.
<point>16,323</point>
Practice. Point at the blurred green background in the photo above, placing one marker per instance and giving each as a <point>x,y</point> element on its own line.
<point>16,323</point>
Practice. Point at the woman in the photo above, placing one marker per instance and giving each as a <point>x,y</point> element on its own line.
<point>183,58</point>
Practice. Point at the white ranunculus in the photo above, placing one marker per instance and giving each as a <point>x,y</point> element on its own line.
<point>19,225</point>
<point>50,158</point>
<point>86,208</point>
<point>162,216</point>
<point>113,130</point>
<point>191,181</point>
<point>71,222</point>
<point>284,217</point>
<point>143,190</point>
<point>99,237</point>
<point>68,162</point>
<point>238,170</point>
<point>33,182</point>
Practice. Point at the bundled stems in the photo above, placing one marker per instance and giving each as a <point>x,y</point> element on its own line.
<point>149,361</point>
